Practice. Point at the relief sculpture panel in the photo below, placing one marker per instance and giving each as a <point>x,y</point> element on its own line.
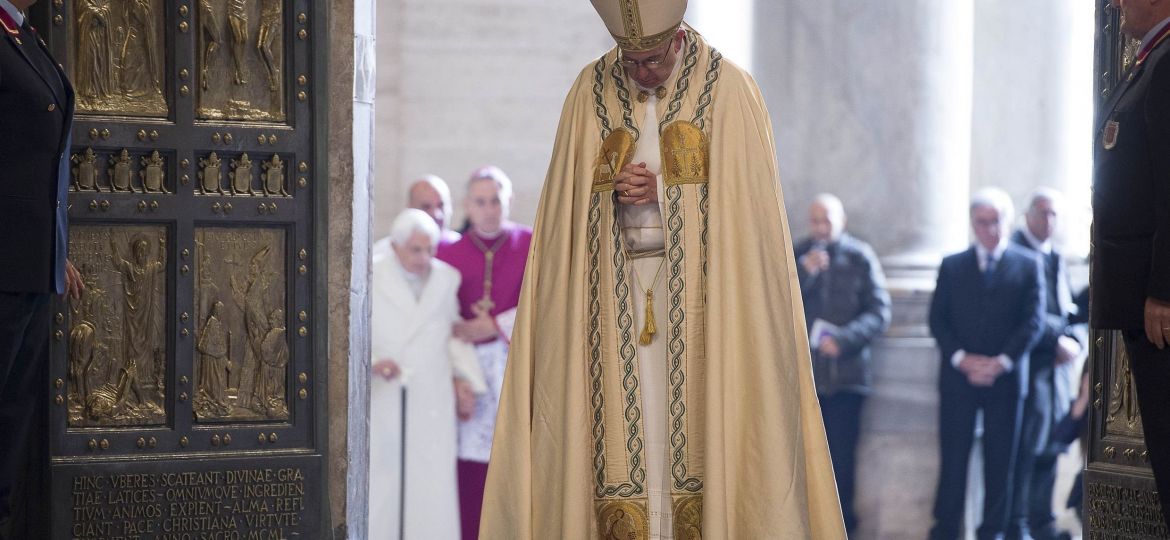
<point>242,176</point>
<point>1123,416</point>
<point>118,57</point>
<point>241,337</point>
<point>121,171</point>
<point>241,60</point>
<point>117,348</point>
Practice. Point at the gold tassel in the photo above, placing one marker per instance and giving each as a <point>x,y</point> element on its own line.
<point>649,328</point>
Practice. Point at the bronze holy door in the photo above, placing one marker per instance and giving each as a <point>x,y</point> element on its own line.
<point>188,381</point>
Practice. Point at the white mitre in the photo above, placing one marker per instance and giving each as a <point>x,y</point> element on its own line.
<point>641,25</point>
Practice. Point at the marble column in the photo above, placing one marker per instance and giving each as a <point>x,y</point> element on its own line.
<point>872,101</point>
<point>1033,101</point>
<point>348,259</point>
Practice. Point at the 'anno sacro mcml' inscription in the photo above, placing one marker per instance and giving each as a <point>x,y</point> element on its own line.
<point>231,504</point>
<point>1123,513</point>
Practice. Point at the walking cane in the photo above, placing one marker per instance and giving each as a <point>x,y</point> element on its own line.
<point>402,472</point>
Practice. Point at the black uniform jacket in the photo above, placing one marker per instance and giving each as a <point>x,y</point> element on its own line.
<point>36,111</point>
<point>1131,197</point>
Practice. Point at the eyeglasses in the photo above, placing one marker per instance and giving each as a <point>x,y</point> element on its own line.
<point>650,63</point>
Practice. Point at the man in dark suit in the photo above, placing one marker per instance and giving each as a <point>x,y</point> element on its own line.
<point>986,315</point>
<point>1048,398</point>
<point>36,102</point>
<point>1131,223</point>
<point>843,286</point>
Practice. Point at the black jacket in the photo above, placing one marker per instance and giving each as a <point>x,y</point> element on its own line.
<point>1131,197</point>
<point>36,108</point>
<point>1005,317</point>
<point>852,295</point>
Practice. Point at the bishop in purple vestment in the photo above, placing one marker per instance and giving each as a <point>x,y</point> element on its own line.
<point>491,258</point>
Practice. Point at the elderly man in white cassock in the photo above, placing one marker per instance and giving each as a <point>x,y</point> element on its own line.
<point>416,367</point>
<point>659,382</point>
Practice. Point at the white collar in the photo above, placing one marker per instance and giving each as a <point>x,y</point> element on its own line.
<point>1044,247</point>
<point>983,253</point>
<point>15,13</point>
<point>1145,39</point>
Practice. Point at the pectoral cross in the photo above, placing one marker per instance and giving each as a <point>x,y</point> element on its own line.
<point>485,304</point>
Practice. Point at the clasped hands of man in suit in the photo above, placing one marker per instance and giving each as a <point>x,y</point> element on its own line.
<point>981,370</point>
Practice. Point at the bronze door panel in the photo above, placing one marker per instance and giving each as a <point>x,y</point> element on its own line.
<point>117,62</point>
<point>197,223</point>
<point>240,45</point>
<point>116,344</point>
<point>241,337</point>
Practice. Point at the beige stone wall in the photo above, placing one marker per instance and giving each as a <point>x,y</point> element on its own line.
<point>463,83</point>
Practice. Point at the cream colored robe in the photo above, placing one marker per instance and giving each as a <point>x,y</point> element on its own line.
<point>749,458</point>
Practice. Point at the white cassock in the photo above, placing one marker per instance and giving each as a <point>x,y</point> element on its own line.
<point>411,324</point>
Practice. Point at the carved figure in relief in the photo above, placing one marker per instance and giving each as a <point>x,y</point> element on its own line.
<point>250,298</point>
<point>92,304</point>
<point>215,365</point>
<point>237,11</point>
<point>1123,401</point>
<point>81,351</point>
<point>210,174</point>
<point>140,278</point>
<point>209,27</point>
<point>120,171</point>
<point>140,72</point>
<point>153,173</point>
<point>274,176</point>
<point>95,70</point>
<point>274,355</point>
<point>85,174</point>
<point>270,11</point>
<point>241,176</point>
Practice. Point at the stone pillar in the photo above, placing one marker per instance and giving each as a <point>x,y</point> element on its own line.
<point>357,294</point>
<point>348,270</point>
<point>872,101</point>
<point>1034,110</point>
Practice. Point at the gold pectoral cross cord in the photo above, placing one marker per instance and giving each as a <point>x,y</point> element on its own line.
<point>485,303</point>
<point>649,326</point>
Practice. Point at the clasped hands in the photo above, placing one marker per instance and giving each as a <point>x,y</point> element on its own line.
<point>815,261</point>
<point>981,370</point>
<point>636,185</point>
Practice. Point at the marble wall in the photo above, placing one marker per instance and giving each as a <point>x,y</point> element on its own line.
<point>464,83</point>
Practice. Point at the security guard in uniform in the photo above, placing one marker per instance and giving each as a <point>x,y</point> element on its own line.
<point>36,115</point>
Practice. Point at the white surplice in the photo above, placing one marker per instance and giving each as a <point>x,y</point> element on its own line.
<point>415,331</point>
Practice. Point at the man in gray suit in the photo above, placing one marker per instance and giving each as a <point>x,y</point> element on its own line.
<point>1048,396</point>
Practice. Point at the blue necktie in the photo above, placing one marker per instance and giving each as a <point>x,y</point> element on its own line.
<point>989,270</point>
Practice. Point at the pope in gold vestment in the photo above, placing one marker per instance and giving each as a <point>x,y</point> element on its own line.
<point>746,453</point>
